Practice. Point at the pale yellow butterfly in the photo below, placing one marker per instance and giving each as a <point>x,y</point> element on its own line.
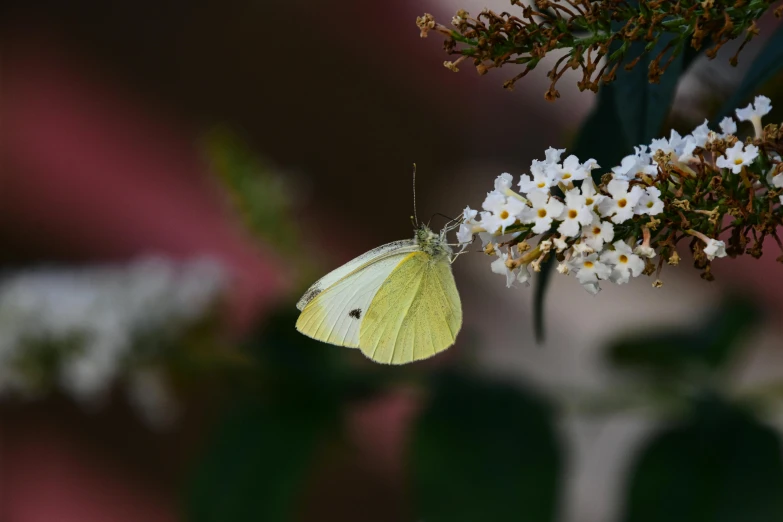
<point>397,303</point>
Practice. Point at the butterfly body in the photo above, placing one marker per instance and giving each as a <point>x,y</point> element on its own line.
<point>397,303</point>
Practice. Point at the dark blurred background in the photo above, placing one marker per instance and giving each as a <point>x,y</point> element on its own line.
<point>175,173</point>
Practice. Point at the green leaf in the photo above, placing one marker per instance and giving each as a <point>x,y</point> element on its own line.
<point>707,346</point>
<point>642,107</point>
<point>256,465</point>
<point>766,65</point>
<point>485,451</point>
<point>720,465</point>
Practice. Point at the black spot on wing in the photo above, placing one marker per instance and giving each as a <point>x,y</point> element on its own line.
<point>356,313</point>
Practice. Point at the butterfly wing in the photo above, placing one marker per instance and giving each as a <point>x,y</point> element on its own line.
<point>354,266</point>
<point>415,314</point>
<point>334,307</point>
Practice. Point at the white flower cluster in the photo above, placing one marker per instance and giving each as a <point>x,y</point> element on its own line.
<point>104,311</point>
<point>581,224</point>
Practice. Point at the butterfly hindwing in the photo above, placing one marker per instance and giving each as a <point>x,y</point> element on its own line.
<point>415,314</point>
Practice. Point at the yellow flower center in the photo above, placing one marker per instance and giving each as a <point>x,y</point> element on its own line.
<point>738,161</point>
<point>596,230</point>
<point>542,212</point>
<point>572,213</point>
<point>588,264</point>
<point>504,214</point>
<point>541,184</point>
<point>566,175</point>
<point>589,201</point>
<point>623,258</point>
<point>622,203</point>
<point>650,204</point>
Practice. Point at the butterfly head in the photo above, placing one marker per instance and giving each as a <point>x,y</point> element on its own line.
<point>431,242</point>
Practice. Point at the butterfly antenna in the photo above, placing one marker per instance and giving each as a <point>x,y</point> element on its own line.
<point>415,215</point>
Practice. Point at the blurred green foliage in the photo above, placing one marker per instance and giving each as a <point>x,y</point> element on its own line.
<point>480,449</point>
<point>259,194</point>
<point>719,464</point>
<point>485,451</point>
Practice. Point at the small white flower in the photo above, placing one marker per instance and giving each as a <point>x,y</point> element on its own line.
<point>754,112</point>
<point>465,234</point>
<point>499,266</point>
<point>589,269</point>
<point>469,215</point>
<point>503,183</point>
<point>635,165</point>
<point>715,248</point>
<point>644,251</point>
<point>620,206</point>
<point>728,126</point>
<point>623,261</point>
<point>583,248</point>
<point>760,107</point>
<point>776,180</point>
<point>591,165</point>
<point>685,151</point>
<point>598,233</point>
<point>592,288</point>
<point>544,210</point>
<point>570,170</point>
<point>575,215</point>
<point>505,212</point>
<point>650,203</point>
<point>592,197</point>
<point>738,157</point>
<point>560,243</point>
<point>553,155</point>
<point>701,134</point>
<point>543,177</point>
<point>562,268</point>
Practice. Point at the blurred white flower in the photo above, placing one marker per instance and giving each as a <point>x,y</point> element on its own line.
<point>96,316</point>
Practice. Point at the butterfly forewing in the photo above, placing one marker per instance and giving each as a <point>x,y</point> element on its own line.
<point>333,315</point>
<point>354,266</point>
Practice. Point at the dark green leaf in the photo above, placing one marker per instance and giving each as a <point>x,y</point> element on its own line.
<point>485,451</point>
<point>541,284</point>
<point>721,465</point>
<point>709,345</point>
<point>768,63</point>
<point>642,106</point>
<point>256,465</point>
